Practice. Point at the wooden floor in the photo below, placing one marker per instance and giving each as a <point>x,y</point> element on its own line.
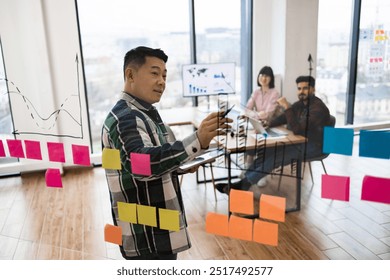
<point>37,222</point>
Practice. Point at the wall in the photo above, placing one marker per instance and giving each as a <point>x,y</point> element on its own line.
<point>285,32</point>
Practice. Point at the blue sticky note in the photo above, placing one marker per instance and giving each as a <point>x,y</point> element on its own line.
<point>338,140</point>
<point>374,143</point>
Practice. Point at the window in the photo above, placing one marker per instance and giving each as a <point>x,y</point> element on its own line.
<point>372,102</point>
<point>334,30</point>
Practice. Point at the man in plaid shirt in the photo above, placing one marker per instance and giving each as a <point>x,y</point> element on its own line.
<point>134,126</point>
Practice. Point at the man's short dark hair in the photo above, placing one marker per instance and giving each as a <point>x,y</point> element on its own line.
<point>137,56</point>
<point>306,79</point>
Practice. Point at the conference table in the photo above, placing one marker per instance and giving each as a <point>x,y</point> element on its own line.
<point>233,144</point>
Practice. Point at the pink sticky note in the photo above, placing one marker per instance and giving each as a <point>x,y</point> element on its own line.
<point>376,189</point>
<point>140,164</point>
<point>81,155</point>
<point>15,148</point>
<point>53,178</point>
<point>2,151</point>
<point>33,149</point>
<point>335,187</point>
<point>56,151</point>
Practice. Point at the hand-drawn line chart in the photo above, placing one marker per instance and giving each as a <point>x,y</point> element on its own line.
<point>63,121</point>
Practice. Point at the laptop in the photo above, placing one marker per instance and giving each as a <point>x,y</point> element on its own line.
<point>267,133</point>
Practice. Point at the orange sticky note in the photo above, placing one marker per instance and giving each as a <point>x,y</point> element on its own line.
<point>272,207</point>
<point>265,232</point>
<point>127,212</point>
<point>240,228</point>
<point>217,224</point>
<point>113,234</point>
<point>169,219</point>
<point>53,178</point>
<point>241,202</point>
<point>147,215</point>
<point>111,159</point>
<point>140,164</point>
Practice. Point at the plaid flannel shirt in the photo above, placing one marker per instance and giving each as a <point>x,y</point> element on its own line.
<point>134,126</point>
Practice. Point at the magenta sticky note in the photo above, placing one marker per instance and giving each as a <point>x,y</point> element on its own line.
<point>335,187</point>
<point>56,151</point>
<point>140,164</point>
<point>53,178</point>
<point>2,151</point>
<point>33,149</point>
<point>15,148</point>
<point>81,155</point>
<point>376,189</point>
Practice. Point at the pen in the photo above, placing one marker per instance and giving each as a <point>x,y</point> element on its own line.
<point>227,112</point>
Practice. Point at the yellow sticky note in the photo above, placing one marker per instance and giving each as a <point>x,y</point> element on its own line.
<point>111,159</point>
<point>147,215</point>
<point>169,219</point>
<point>127,212</point>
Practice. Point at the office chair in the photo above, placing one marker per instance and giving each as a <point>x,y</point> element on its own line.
<point>320,158</point>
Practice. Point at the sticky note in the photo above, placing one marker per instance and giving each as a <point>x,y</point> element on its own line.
<point>265,232</point>
<point>33,149</point>
<point>338,140</point>
<point>81,155</point>
<point>217,224</point>
<point>335,187</point>
<point>113,234</point>
<point>272,207</point>
<point>15,148</point>
<point>2,151</point>
<point>111,159</point>
<point>374,144</point>
<point>376,189</point>
<point>147,215</point>
<point>240,228</point>
<point>56,151</point>
<point>140,164</point>
<point>241,202</point>
<point>127,212</point>
<point>53,178</point>
<point>169,219</point>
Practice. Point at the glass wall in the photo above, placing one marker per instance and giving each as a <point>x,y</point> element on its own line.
<point>372,102</point>
<point>334,32</point>
<point>110,28</point>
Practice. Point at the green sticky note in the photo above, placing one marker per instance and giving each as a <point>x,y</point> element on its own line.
<point>127,212</point>
<point>111,159</point>
<point>169,219</point>
<point>147,215</point>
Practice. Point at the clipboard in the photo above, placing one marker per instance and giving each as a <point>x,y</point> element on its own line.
<point>207,157</point>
